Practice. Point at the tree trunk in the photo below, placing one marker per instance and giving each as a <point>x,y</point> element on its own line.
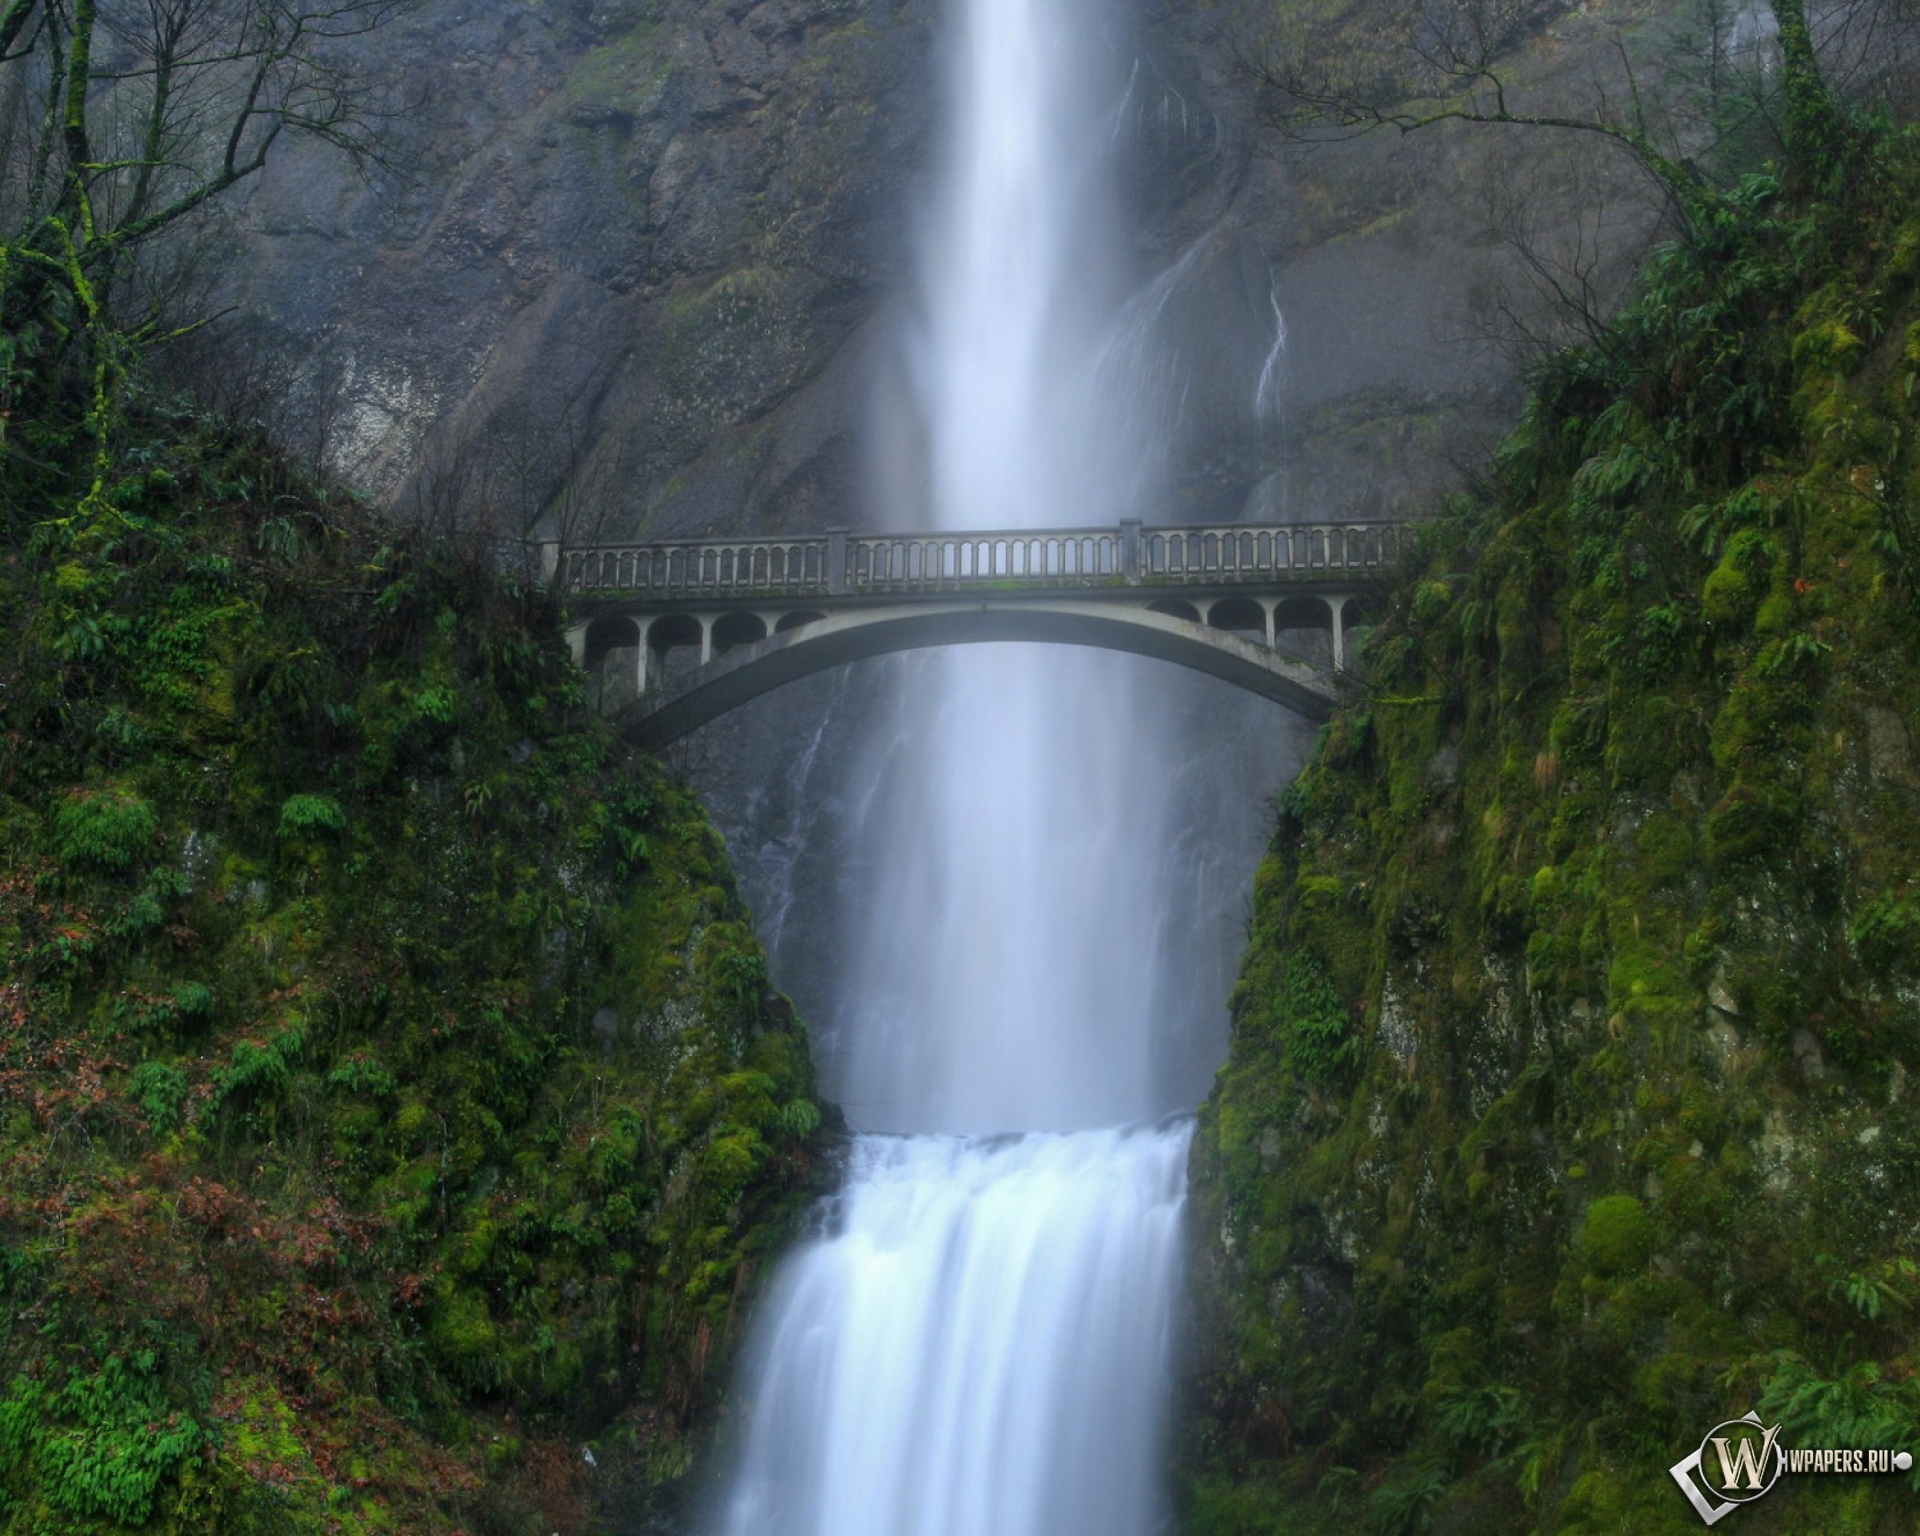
<point>1813,128</point>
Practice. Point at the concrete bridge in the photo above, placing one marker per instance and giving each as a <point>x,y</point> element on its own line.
<point>712,623</point>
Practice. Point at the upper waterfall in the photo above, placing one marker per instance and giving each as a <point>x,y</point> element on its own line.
<point>1007,973</point>
<point>1020,277</point>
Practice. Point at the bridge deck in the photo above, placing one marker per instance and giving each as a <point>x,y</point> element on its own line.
<point>838,565</point>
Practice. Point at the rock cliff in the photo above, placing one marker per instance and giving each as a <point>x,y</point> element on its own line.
<point>632,266</point>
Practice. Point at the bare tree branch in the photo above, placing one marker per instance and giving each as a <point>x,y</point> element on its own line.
<point>1368,68</point>
<point>121,121</point>
<point>192,100</point>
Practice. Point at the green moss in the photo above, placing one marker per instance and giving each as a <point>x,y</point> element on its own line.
<point>1626,1147</point>
<point>1616,1235</point>
<point>318,1167</point>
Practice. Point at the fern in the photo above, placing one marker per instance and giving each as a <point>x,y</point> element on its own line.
<point>1482,1419</point>
<point>104,1445</point>
<point>1855,1407</point>
<point>1404,1507</point>
<point>160,1091</point>
<point>1320,1041</point>
<point>1886,932</point>
<point>306,815</point>
<point>107,829</point>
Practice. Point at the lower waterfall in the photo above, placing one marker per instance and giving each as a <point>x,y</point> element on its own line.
<point>976,1343</point>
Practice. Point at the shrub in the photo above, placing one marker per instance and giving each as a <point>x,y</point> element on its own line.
<point>311,815</point>
<point>159,1090</point>
<point>107,829</point>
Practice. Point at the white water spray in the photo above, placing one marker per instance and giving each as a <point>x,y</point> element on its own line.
<point>978,1343</point>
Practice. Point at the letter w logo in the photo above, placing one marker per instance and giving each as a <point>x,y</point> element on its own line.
<point>1748,1459</point>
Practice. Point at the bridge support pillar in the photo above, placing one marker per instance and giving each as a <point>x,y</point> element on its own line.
<point>642,629</point>
<point>836,561</point>
<point>577,644</point>
<point>1337,608</point>
<point>706,638</point>
<point>1268,607</point>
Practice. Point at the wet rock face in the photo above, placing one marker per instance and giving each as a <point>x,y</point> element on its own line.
<point>631,268</point>
<point>632,246</point>
<point>1392,260</point>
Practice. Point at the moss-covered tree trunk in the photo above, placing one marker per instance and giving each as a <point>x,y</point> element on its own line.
<point>1814,132</point>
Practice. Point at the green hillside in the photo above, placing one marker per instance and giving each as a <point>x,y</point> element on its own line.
<point>392,1104</point>
<point>1572,1104</point>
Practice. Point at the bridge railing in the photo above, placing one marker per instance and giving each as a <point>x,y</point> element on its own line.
<point>1237,551</point>
<point>839,563</point>
<point>693,567</point>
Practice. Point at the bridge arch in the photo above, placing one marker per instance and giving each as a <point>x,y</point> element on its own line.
<point>747,670</point>
<point>1239,615</point>
<point>672,631</point>
<point>609,632</point>
<point>732,630</point>
<point>756,612</point>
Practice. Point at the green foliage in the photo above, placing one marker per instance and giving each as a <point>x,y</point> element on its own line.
<point>299,1086</point>
<point>1483,1420</point>
<point>308,815</point>
<point>1404,1506</point>
<point>261,1067</point>
<point>800,1118</point>
<point>105,829</point>
<point>1854,1407</point>
<point>362,1073</point>
<point>1321,1043</point>
<point>1890,1286</point>
<point>1611,867</point>
<point>160,1090</point>
<point>436,704</point>
<point>1886,932</point>
<point>105,1445</point>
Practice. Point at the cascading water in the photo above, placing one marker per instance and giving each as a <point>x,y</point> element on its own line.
<point>976,1343</point>
<point>978,1349</point>
<point>1006,972</point>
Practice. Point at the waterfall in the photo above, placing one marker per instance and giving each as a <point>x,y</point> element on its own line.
<point>976,1347</point>
<point>1007,972</point>
<point>975,1343</point>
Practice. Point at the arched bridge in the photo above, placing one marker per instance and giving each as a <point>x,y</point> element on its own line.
<point>1269,607</point>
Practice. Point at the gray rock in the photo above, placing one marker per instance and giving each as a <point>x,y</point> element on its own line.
<point>1890,749</point>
